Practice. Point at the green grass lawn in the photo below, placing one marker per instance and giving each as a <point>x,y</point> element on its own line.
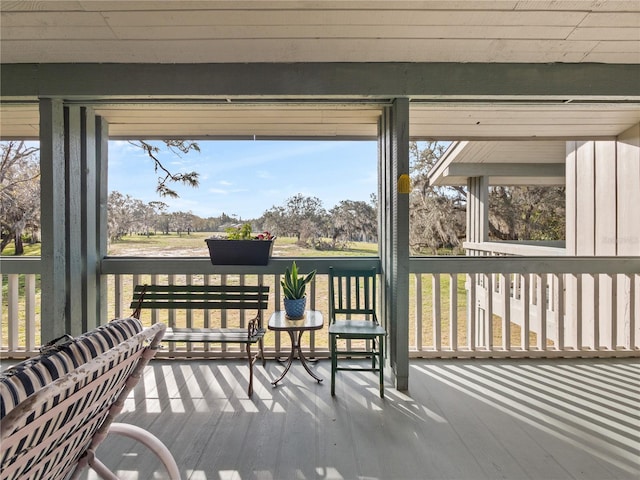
<point>194,245</point>
<point>30,250</point>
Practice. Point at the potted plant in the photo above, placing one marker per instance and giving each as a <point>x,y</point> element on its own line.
<point>241,247</point>
<point>294,289</point>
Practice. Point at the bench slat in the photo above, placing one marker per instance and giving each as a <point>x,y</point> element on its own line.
<point>175,304</point>
<point>201,296</point>
<point>203,288</point>
<point>226,335</point>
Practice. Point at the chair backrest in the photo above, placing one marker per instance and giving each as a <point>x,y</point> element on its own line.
<point>55,406</point>
<point>352,293</point>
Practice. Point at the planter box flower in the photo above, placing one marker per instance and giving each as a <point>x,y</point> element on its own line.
<point>239,252</point>
<point>240,248</point>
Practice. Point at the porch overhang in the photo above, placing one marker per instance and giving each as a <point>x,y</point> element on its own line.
<point>503,162</point>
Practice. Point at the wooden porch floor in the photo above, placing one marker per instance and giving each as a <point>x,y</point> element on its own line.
<point>471,419</point>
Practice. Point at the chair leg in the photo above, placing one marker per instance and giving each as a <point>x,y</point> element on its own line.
<point>251,362</point>
<point>264,360</point>
<point>373,355</point>
<point>381,364</point>
<point>334,364</point>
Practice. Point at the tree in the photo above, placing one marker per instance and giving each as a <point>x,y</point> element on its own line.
<point>436,214</point>
<point>527,213</point>
<point>353,220</point>
<point>301,217</point>
<point>19,192</point>
<point>121,218</point>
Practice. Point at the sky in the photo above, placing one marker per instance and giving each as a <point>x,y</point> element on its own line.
<point>245,178</point>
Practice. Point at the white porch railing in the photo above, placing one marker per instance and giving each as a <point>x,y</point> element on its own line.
<point>525,306</point>
<point>521,320</point>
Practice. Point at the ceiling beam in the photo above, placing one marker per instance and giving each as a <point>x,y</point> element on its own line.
<point>556,81</point>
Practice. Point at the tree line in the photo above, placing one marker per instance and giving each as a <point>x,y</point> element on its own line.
<point>302,217</point>
<point>437,214</point>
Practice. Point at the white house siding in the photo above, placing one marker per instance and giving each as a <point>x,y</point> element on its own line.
<point>603,219</point>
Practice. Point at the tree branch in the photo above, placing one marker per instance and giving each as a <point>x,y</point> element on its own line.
<point>177,147</point>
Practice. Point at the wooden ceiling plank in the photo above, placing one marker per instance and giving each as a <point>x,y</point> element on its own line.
<point>631,34</point>
<point>507,169</point>
<point>296,50</point>
<point>372,16</point>
<point>629,19</point>
<point>51,18</point>
<point>46,32</point>
<point>340,32</point>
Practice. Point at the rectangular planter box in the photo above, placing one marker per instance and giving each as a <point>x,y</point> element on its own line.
<point>239,252</point>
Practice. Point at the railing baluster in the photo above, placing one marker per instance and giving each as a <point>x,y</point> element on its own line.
<point>596,312</point>
<point>613,344</point>
<point>561,302</point>
<point>278,302</point>
<point>223,313</point>
<point>542,334</point>
<point>489,312</point>
<point>453,311</point>
<point>117,295</point>
<point>154,313</point>
<point>471,312</point>
<point>526,304</point>
<point>437,311</point>
<point>578,320</point>
<point>633,298</point>
<point>13,284</point>
<point>312,306</point>
<point>30,311</point>
<point>505,298</point>
<point>418,319</point>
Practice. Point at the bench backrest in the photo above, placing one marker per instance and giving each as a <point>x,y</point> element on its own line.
<point>58,405</point>
<point>202,297</point>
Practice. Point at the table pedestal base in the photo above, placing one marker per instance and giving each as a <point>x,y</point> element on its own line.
<point>295,347</point>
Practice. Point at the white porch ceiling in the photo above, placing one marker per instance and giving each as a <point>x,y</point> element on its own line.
<point>440,121</point>
<point>220,31</point>
<point>288,31</point>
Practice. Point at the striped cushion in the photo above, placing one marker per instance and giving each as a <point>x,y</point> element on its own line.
<point>22,380</point>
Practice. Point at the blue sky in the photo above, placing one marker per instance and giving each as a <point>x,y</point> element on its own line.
<point>246,178</point>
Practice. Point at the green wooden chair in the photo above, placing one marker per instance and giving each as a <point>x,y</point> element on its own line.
<point>352,317</point>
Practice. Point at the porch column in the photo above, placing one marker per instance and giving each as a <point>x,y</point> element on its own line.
<point>394,238</point>
<point>477,232</point>
<point>100,213</point>
<point>477,209</point>
<point>90,246</point>
<point>73,224</point>
<point>71,294</point>
<point>53,219</point>
<point>83,247</point>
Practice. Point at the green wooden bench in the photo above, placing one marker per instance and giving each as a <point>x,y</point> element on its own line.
<point>210,297</point>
